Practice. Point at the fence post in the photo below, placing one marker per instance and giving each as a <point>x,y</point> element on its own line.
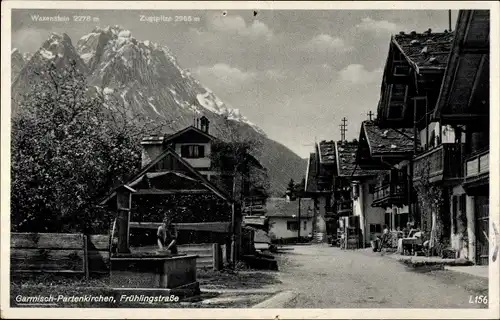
<point>217,256</point>
<point>85,257</point>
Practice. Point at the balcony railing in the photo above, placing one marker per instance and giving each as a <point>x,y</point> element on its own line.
<point>389,193</point>
<point>442,162</point>
<point>477,164</point>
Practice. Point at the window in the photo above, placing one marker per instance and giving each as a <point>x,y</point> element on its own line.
<point>193,151</point>
<point>397,100</point>
<point>292,225</point>
<point>401,70</point>
<point>371,188</point>
<point>305,225</point>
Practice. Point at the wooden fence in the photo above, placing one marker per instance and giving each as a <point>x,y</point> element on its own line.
<point>85,254</point>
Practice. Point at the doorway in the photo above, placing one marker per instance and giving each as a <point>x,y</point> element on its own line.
<point>481,207</point>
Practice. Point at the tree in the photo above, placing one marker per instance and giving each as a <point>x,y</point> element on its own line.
<point>236,156</point>
<point>300,188</point>
<point>430,199</point>
<point>291,186</point>
<point>68,151</point>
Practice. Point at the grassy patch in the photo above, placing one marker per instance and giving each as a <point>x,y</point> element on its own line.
<point>61,288</point>
<point>235,280</point>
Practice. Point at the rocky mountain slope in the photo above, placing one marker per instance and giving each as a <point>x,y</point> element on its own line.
<point>146,78</point>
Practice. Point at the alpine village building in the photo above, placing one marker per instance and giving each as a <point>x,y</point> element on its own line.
<point>425,158</point>
<point>179,179</point>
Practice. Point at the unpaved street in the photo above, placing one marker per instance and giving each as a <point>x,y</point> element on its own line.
<point>327,277</point>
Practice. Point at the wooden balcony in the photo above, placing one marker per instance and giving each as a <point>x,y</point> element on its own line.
<point>477,169</point>
<point>389,194</point>
<point>324,183</point>
<point>440,164</point>
<point>344,207</point>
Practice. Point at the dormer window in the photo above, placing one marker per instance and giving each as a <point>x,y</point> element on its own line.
<point>192,151</point>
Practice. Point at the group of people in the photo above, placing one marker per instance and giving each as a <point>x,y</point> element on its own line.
<point>408,232</point>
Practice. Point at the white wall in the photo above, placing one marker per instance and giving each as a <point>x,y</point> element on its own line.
<point>320,219</point>
<point>373,215</point>
<point>197,162</point>
<point>367,214</point>
<point>457,239</point>
<point>279,228</point>
<point>447,134</point>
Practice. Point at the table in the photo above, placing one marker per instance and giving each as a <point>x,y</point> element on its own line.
<point>408,242</point>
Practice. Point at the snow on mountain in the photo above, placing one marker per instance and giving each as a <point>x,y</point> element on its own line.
<point>118,59</point>
<point>146,79</point>
<point>17,63</point>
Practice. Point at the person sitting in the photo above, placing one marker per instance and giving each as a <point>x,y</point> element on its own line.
<point>167,237</point>
<point>385,236</point>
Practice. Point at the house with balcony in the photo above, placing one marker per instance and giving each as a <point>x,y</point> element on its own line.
<point>388,151</point>
<point>167,158</point>
<point>463,105</point>
<point>319,186</point>
<point>410,88</point>
<point>354,189</point>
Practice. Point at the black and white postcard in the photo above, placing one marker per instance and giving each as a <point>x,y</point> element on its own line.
<point>250,159</point>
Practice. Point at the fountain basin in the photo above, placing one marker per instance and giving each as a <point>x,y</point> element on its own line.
<point>153,271</point>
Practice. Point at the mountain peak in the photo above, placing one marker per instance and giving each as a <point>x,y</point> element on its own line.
<point>116,29</point>
<point>145,79</point>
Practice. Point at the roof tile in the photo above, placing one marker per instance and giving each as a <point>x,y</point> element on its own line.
<point>327,152</point>
<point>347,160</point>
<point>426,49</point>
<point>279,207</point>
<point>386,141</point>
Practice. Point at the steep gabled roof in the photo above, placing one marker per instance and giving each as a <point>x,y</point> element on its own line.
<point>467,74</point>
<point>169,152</point>
<point>425,50</point>
<point>187,129</point>
<point>311,178</point>
<point>387,141</point>
<point>346,160</point>
<point>326,152</point>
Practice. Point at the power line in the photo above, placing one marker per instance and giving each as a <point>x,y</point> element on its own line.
<point>343,129</point>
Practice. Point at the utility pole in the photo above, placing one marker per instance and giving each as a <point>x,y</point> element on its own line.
<point>343,129</point>
<point>370,114</point>
<point>298,230</point>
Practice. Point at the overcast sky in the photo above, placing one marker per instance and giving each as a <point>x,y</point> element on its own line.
<point>293,73</point>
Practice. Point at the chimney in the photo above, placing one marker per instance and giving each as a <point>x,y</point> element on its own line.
<point>204,124</point>
<point>152,147</point>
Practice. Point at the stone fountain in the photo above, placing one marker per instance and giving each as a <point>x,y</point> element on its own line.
<point>131,271</point>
